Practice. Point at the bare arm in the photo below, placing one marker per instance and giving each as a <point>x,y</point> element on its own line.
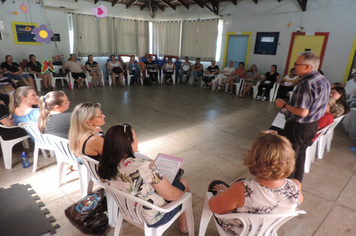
<point>7,122</point>
<point>94,145</point>
<point>243,71</point>
<point>228,200</point>
<point>87,67</point>
<point>31,71</point>
<point>83,68</point>
<point>167,190</point>
<point>300,190</point>
<point>174,67</point>
<point>277,79</point>
<point>295,110</point>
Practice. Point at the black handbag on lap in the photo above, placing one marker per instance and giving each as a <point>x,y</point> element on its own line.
<point>117,70</point>
<point>89,214</point>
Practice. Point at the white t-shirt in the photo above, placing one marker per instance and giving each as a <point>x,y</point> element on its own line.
<point>228,71</point>
<point>350,87</point>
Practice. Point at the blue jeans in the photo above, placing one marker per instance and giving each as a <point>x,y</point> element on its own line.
<point>136,74</point>
<point>18,77</point>
<point>196,75</point>
<point>169,215</point>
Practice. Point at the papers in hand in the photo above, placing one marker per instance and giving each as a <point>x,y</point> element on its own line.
<point>267,82</point>
<point>168,165</point>
<point>279,121</point>
<point>287,83</point>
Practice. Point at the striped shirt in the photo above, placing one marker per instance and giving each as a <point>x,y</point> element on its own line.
<point>312,94</point>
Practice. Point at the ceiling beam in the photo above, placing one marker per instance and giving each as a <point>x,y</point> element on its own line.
<point>151,9</point>
<point>199,2</point>
<point>130,3</point>
<point>113,3</point>
<point>234,2</point>
<point>169,4</point>
<point>144,6</point>
<point>153,3</point>
<point>96,1</point>
<point>183,4</point>
<point>214,6</point>
<point>256,1</point>
<point>303,4</point>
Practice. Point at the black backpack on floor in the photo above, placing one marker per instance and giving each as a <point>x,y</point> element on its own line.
<point>89,214</point>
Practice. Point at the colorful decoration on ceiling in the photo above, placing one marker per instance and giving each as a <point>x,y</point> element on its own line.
<point>47,65</point>
<point>24,8</point>
<point>100,11</point>
<point>14,12</point>
<point>43,34</point>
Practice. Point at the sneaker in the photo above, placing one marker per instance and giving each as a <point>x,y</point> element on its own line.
<point>263,99</point>
<point>258,98</point>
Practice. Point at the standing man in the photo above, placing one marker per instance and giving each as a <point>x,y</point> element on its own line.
<point>307,106</point>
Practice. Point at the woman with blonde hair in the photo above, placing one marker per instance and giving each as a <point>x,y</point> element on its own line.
<point>85,125</point>
<point>271,160</point>
<point>21,105</point>
<point>52,120</point>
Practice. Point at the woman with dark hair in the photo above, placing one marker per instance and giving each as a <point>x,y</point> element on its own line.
<point>152,70</point>
<point>168,70</point>
<point>52,119</point>
<point>35,67</point>
<point>341,107</point>
<point>287,84</point>
<point>94,71</point>
<point>267,83</point>
<point>134,70</point>
<point>240,73</point>
<point>77,70</point>
<point>270,160</point>
<point>139,177</point>
<point>115,68</point>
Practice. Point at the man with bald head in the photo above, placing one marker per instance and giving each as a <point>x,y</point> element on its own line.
<point>306,107</point>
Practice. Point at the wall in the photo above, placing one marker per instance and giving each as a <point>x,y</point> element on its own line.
<point>334,17</point>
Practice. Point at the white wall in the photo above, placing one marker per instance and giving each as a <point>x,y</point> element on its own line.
<point>335,17</point>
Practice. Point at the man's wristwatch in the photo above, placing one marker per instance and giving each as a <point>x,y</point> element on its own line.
<point>284,106</point>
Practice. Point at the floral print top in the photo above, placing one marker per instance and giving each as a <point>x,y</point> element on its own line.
<point>136,176</point>
<point>262,200</point>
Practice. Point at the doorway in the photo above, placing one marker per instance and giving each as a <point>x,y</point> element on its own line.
<point>301,42</point>
<point>237,48</point>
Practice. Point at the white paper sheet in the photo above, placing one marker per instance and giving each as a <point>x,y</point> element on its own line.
<point>279,121</point>
<point>168,165</point>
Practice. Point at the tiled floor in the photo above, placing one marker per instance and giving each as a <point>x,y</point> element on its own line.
<point>211,131</point>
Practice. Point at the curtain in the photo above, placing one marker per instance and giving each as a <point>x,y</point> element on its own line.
<point>199,39</point>
<point>166,38</point>
<point>142,40</point>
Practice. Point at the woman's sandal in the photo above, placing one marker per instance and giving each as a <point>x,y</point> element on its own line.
<point>184,232</point>
<point>230,93</point>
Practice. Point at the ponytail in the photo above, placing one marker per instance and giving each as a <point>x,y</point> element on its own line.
<point>16,98</point>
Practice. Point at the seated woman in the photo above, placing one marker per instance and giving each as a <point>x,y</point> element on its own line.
<point>94,71</point>
<point>240,73</point>
<point>185,69</point>
<point>287,84</point>
<point>327,118</point>
<point>271,160</point>
<point>52,120</point>
<point>253,75</point>
<point>9,134</point>
<point>21,105</point>
<point>139,177</point>
<point>168,70</point>
<point>225,74</point>
<point>77,70</point>
<point>115,68</point>
<point>197,70</point>
<point>5,78</point>
<point>134,70</point>
<point>267,83</point>
<point>152,70</point>
<point>14,71</point>
<point>35,67</point>
<point>341,107</point>
<point>84,136</point>
<point>210,73</point>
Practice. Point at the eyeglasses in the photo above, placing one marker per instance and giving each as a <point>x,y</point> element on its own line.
<point>99,116</point>
<point>296,64</point>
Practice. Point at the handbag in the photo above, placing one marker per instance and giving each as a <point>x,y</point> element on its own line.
<point>89,214</point>
<point>117,70</point>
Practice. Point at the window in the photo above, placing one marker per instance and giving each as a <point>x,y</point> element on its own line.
<point>266,43</point>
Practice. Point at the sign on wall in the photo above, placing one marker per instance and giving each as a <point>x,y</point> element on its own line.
<point>22,32</point>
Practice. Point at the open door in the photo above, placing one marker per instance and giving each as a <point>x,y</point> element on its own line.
<point>301,42</point>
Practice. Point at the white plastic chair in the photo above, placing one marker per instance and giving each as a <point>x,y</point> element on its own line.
<point>290,93</point>
<point>37,80</point>
<point>92,167</point>
<point>71,81</point>
<point>259,224</point>
<point>158,74</point>
<point>239,86</point>
<point>90,78</point>
<point>325,140</point>
<point>41,142</point>
<point>202,83</point>
<point>129,77</point>
<point>7,145</point>
<point>65,156</point>
<point>130,208</point>
<point>57,70</point>
<point>311,150</point>
<point>174,78</point>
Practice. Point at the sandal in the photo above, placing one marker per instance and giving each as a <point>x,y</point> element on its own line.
<point>230,93</point>
<point>184,232</point>
<point>242,95</point>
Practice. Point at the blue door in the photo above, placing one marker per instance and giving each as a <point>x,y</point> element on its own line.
<point>237,49</point>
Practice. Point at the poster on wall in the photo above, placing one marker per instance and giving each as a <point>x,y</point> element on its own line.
<point>22,32</point>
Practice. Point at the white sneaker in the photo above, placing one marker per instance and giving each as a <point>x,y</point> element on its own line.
<point>258,98</point>
<point>263,99</point>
